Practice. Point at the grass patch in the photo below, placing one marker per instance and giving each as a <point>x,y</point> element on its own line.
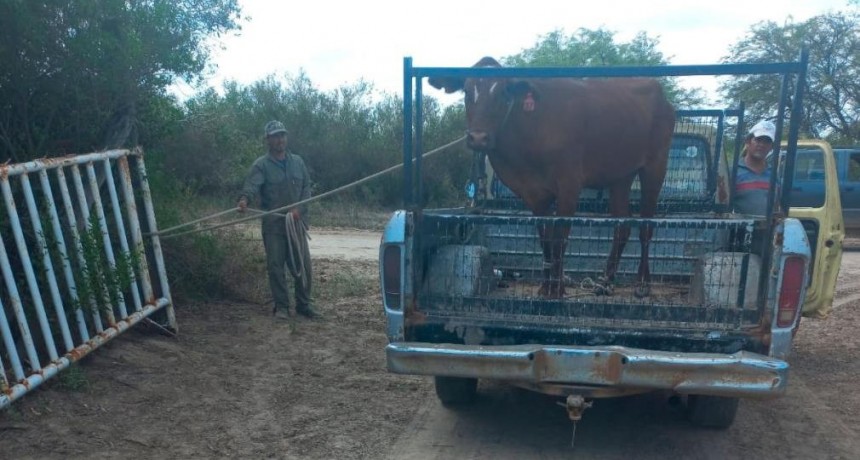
<point>337,281</point>
<point>12,414</point>
<point>73,378</point>
<point>344,214</point>
<point>216,265</point>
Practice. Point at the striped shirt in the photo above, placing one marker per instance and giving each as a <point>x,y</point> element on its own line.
<point>751,190</point>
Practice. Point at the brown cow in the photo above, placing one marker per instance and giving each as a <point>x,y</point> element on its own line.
<point>548,138</point>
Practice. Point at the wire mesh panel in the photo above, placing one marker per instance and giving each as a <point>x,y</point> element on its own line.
<point>76,267</point>
<point>702,274</point>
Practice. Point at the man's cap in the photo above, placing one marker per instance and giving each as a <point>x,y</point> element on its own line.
<point>274,127</point>
<point>764,128</point>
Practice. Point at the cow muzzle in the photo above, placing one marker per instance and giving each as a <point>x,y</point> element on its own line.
<point>479,140</point>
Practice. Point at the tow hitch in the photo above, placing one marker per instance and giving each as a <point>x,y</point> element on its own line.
<point>575,405</point>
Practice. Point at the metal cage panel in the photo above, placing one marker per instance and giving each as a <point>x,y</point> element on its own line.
<point>490,267</point>
<point>77,268</point>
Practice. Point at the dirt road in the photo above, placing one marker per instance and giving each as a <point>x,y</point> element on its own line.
<point>237,384</point>
<point>345,244</point>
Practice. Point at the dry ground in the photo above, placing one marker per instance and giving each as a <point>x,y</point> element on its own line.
<point>235,383</point>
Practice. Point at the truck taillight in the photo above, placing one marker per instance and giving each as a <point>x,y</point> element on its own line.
<point>789,291</point>
<point>391,276</point>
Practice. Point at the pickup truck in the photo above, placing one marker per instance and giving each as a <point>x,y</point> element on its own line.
<point>459,285</point>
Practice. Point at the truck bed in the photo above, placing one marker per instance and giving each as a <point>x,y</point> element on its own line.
<point>482,272</point>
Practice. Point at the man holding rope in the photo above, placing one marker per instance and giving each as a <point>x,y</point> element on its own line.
<point>279,179</point>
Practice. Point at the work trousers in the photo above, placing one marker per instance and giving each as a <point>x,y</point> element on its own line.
<point>278,259</point>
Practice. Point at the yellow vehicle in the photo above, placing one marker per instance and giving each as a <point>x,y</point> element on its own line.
<point>823,223</point>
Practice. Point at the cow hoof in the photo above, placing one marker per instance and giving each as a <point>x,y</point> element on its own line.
<point>603,287</point>
<point>551,290</point>
<point>642,291</point>
<point>606,290</point>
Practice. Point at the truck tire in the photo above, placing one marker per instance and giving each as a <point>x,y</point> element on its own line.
<point>712,411</point>
<point>456,391</point>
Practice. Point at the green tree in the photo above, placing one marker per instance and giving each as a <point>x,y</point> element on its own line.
<point>76,73</point>
<point>343,135</point>
<point>598,47</point>
<point>832,93</point>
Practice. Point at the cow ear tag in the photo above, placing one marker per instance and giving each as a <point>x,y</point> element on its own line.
<point>529,103</point>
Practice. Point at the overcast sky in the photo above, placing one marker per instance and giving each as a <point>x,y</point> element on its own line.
<point>340,42</point>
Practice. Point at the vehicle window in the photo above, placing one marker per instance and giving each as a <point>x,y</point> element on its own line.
<point>809,166</point>
<point>808,189</point>
<point>854,167</point>
<point>687,171</point>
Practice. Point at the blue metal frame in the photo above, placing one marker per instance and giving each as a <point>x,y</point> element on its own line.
<point>413,120</point>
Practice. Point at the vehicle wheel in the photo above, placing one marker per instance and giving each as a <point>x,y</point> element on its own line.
<point>454,391</point>
<point>712,411</point>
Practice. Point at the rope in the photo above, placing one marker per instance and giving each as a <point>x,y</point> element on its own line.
<point>203,219</point>
<point>258,213</point>
<point>588,284</point>
<point>604,286</point>
<point>170,232</point>
<point>298,236</point>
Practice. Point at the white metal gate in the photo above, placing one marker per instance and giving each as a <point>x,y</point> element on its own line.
<point>75,262</point>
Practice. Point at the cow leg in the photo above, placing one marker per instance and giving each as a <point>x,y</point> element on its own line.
<point>619,206</point>
<point>554,244</point>
<point>643,289</point>
<point>553,240</point>
<point>652,182</point>
<point>540,208</point>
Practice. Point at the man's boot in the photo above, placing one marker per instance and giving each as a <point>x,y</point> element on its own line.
<point>308,311</point>
<point>282,314</point>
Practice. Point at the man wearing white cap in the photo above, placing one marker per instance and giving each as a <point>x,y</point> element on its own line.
<point>753,180</point>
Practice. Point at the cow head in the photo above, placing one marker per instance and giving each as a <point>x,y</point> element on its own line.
<point>489,103</point>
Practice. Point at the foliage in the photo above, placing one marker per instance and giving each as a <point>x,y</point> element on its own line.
<point>348,214</point>
<point>342,135</point>
<point>98,282</point>
<point>832,94</point>
<point>73,378</point>
<point>588,48</point>
<point>197,262</point>
<point>598,47</point>
<point>75,73</point>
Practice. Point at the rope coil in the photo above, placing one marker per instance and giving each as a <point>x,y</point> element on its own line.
<point>298,236</point>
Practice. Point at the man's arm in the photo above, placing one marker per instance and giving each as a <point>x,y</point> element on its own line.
<point>251,188</point>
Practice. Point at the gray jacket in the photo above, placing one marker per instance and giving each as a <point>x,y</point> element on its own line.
<point>277,185</point>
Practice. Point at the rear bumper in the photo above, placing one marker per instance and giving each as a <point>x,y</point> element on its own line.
<point>741,374</point>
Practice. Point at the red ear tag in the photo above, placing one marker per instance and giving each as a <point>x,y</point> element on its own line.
<point>529,103</point>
